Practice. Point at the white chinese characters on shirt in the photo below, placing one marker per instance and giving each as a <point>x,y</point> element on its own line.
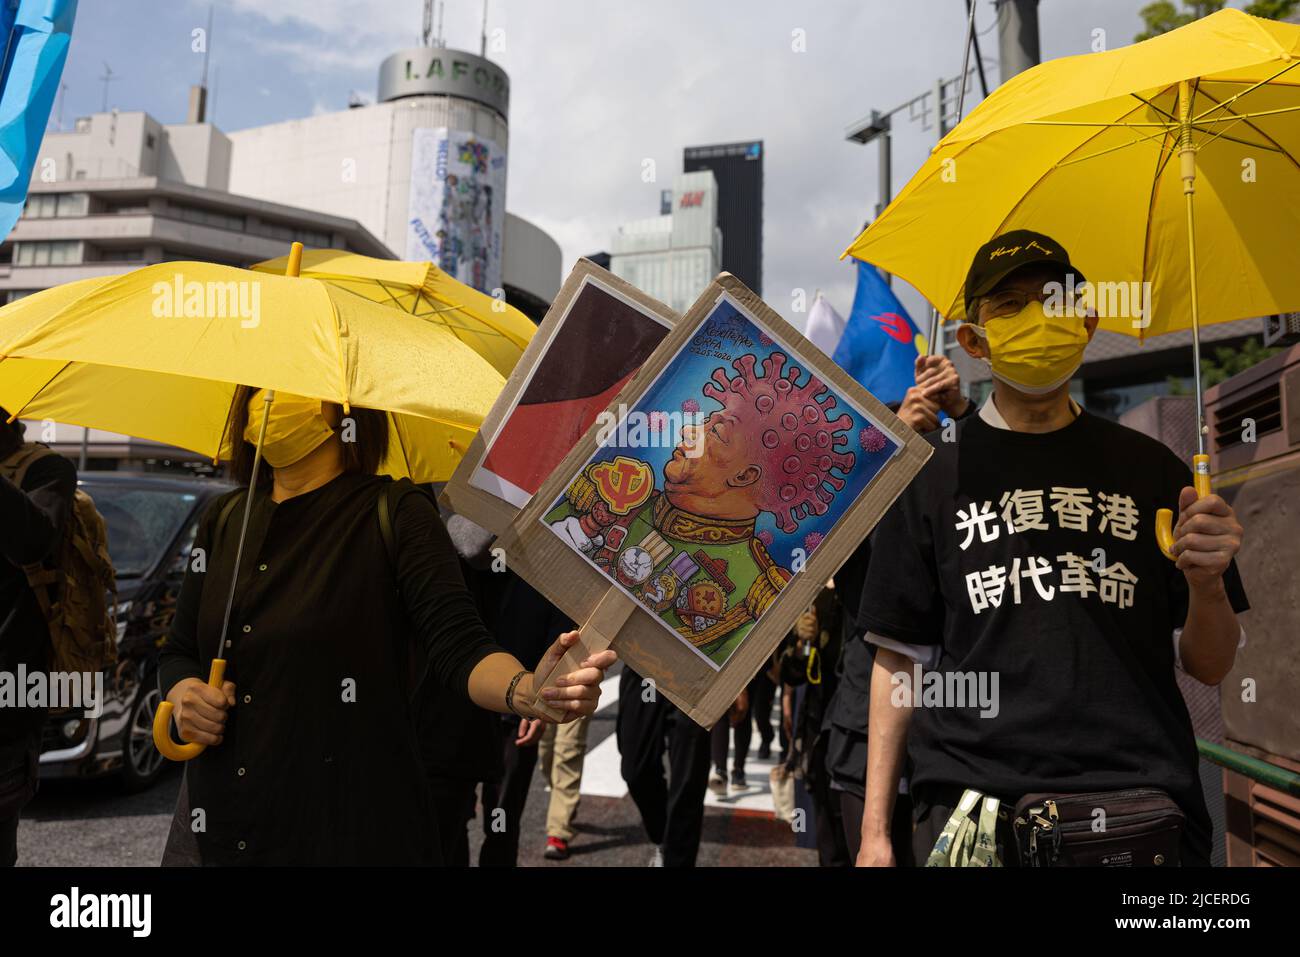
<point>1025,510</point>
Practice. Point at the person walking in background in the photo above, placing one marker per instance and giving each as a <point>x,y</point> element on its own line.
<point>808,669</point>
<point>561,753</point>
<point>491,751</point>
<point>762,692</point>
<point>33,516</point>
<point>735,722</point>
<point>938,391</point>
<point>672,810</point>
<point>526,624</point>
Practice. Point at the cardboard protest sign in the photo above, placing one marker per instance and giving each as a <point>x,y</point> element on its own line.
<point>596,334</point>
<point>710,502</point>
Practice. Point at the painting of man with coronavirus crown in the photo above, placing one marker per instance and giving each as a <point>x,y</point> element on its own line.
<point>708,495</point>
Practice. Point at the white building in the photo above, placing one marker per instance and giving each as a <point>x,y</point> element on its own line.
<point>120,191</point>
<point>673,256</point>
<point>424,169</point>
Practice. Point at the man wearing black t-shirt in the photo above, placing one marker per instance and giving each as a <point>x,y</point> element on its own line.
<point>1023,568</point>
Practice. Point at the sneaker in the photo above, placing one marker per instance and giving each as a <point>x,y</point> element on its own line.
<point>765,751</point>
<point>657,858</point>
<point>738,782</point>
<point>557,849</point>
<point>718,782</point>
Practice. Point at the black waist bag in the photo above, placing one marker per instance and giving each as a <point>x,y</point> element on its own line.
<point>1138,827</point>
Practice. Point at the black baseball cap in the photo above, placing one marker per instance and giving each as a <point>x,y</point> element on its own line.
<point>1003,255</point>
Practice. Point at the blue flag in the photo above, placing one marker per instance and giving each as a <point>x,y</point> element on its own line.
<point>880,342</point>
<point>35,34</point>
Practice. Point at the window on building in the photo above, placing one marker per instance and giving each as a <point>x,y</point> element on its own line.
<point>41,206</point>
<point>63,252</point>
<point>73,204</point>
<point>287,234</point>
<point>49,205</point>
<point>207,217</point>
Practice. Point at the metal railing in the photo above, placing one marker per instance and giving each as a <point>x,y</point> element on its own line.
<point>1267,774</point>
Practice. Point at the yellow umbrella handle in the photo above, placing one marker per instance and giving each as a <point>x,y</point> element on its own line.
<point>1165,516</point>
<point>162,719</point>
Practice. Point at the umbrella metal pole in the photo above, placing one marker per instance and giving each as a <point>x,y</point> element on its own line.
<point>1201,460</point>
<point>1187,164</point>
<point>243,527</point>
<point>162,738</point>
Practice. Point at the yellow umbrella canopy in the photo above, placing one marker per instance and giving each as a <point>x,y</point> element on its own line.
<point>1121,156</point>
<point>158,352</point>
<point>1087,149</point>
<point>496,331</point>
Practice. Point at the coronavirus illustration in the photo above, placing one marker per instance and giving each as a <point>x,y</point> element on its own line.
<point>800,446</point>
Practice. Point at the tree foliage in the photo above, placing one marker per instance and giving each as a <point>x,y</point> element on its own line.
<point>1163,15</point>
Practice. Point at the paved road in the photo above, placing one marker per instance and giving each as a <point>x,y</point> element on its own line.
<point>93,823</point>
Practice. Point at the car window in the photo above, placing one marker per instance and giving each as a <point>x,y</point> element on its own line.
<point>141,523</point>
<point>181,557</point>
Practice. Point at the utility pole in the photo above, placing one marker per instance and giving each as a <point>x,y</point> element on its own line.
<point>939,108</point>
<point>107,78</point>
<point>1018,48</point>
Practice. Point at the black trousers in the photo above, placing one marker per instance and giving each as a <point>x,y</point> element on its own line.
<point>852,807</point>
<point>832,850</point>
<point>454,800</point>
<point>720,737</point>
<point>761,694</point>
<point>672,811</point>
<point>504,800</point>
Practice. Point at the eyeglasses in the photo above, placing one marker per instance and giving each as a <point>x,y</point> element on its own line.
<point>1009,302</point>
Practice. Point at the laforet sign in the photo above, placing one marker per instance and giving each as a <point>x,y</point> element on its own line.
<point>431,71</point>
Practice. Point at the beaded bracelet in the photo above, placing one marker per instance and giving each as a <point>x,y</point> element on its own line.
<point>510,692</point>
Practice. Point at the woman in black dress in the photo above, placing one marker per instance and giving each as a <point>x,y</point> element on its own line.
<point>312,755</point>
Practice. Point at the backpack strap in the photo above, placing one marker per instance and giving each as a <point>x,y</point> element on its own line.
<point>28,454</point>
<point>386,506</point>
<point>223,517</point>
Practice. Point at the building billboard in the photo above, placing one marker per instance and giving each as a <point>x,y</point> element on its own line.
<point>456,210</point>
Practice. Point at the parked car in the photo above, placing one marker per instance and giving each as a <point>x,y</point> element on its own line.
<point>152,520</point>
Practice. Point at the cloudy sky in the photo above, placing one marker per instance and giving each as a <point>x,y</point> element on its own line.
<point>598,87</point>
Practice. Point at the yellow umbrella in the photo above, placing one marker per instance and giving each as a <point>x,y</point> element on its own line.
<point>159,353</point>
<point>496,331</point>
<point>140,354</point>
<point>1105,151</point>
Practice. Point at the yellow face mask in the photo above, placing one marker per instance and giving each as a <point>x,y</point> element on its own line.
<point>1032,351</point>
<point>296,427</point>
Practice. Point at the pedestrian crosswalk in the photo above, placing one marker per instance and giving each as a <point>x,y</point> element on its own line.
<point>601,776</point>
